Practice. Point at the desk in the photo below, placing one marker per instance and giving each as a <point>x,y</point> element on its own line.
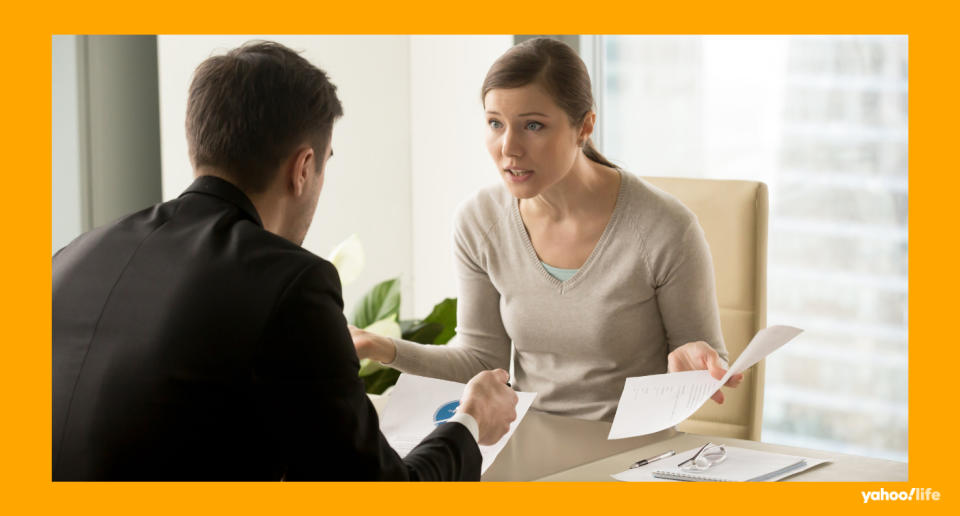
<point>544,444</point>
<point>546,447</point>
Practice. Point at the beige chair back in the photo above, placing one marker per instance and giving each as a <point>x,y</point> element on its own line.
<point>733,215</point>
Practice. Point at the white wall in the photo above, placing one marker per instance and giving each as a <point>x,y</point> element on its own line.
<point>449,158</point>
<point>408,150</point>
<point>367,188</point>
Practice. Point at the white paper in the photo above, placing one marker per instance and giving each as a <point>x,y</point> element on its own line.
<point>766,341</point>
<point>640,474</point>
<point>645,473</point>
<point>652,403</point>
<point>416,403</point>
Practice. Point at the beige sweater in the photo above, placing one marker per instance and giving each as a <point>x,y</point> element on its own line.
<point>647,288</point>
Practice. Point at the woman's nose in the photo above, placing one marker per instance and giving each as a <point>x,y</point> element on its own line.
<point>511,144</point>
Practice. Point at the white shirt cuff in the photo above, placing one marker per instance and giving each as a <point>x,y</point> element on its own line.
<point>468,421</point>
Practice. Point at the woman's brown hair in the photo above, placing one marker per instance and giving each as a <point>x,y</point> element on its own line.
<point>559,70</point>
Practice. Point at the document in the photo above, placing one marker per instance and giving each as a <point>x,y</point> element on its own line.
<point>417,405</point>
<point>652,403</point>
<point>740,465</point>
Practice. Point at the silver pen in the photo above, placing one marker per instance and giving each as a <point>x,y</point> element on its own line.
<point>644,462</point>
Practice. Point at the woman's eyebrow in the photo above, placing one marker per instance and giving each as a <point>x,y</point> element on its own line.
<point>532,113</point>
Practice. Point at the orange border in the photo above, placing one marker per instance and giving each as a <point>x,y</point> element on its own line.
<point>25,380</point>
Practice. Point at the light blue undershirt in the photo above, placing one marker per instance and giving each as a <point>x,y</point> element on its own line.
<point>560,274</point>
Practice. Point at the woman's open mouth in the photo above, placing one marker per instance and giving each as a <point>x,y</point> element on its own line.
<point>517,175</point>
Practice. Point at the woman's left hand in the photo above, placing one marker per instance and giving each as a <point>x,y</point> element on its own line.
<point>698,356</point>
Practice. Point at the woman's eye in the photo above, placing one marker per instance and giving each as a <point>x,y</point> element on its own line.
<point>494,124</point>
<point>534,126</point>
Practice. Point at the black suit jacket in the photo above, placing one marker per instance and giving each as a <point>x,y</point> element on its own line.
<point>189,343</point>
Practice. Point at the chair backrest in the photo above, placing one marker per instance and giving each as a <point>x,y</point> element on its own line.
<point>733,215</point>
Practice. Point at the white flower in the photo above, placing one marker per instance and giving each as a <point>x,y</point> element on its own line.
<point>349,259</point>
<point>386,327</point>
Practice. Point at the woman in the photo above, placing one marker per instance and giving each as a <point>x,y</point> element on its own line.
<point>592,274</point>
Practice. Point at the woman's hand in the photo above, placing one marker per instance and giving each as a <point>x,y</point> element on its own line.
<point>373,346</point>
<point>698,356</point>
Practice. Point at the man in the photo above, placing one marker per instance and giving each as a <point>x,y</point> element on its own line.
<point>196,340</point>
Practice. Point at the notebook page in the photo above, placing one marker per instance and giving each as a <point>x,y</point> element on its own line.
<point>741,465</point>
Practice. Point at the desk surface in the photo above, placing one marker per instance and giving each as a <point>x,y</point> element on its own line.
<point>557,448</point>
<point>544,444</point>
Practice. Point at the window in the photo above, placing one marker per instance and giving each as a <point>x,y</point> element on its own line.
<point>823,121</point>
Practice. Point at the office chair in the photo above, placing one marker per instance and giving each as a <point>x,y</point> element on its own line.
<point>733,215</point>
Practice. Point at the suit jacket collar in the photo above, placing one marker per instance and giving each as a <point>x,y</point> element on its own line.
<point>225,190</point>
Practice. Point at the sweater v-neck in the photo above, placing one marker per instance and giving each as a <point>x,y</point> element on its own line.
<point>584,270</point>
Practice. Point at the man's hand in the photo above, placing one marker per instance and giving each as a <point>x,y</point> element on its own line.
<point>371,345</point>
<point>492,403</point>
<point>697,356</point>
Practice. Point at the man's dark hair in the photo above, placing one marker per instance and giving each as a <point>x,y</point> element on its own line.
<point>249,109</point>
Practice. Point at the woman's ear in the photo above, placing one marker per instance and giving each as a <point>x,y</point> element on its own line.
<point>586,128</point>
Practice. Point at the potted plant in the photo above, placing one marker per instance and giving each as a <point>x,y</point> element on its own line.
<point>378,312</point>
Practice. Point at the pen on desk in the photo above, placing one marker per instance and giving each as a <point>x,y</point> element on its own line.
<point>644,462</point>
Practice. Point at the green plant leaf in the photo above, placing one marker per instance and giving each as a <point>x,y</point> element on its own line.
<point>445,314</point>
<point>437,328</point>
<point>382,301</point>
<point>425,332</point>
<point>369,367</point>
<point>406,324</point>
<point>381,380</point>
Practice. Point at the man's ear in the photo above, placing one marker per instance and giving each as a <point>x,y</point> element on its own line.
<point>301,166</point>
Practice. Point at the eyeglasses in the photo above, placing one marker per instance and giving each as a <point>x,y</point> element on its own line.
<point>708,455</point>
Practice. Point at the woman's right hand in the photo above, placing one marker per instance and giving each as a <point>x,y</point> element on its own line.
<point>373,346</point>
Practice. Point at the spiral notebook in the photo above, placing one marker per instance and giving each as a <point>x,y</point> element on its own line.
<point>741,465</point>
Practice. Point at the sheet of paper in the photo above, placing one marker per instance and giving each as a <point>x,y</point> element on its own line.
<point>766,341</point>
<point>640,474</point>
<point>652,403</point>
<point>645,473</point>
<point>417,405</point>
